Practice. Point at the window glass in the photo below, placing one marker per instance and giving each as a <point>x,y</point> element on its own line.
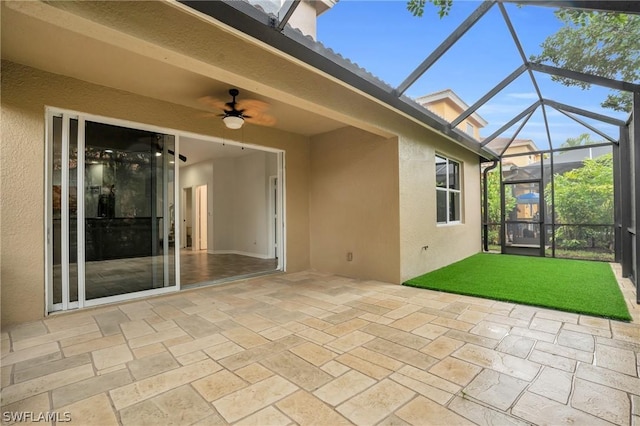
<point>454,175</point>
<point>442,206</point>
<point>441,172</point>
<point>448,190</point>
<point>454,206</point>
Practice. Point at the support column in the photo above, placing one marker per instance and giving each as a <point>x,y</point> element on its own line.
<point>625,201</point>
<point>635,170</point>
<point>617,206</point>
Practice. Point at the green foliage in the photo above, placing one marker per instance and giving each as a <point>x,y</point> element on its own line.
<point>494,207</point>
<point>584,196</point>
<point>583,139</point>
<point>599,43</point>
<point>416,7</point>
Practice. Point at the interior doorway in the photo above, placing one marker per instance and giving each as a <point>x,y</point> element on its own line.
<point>235,190</point>
<point>187,223</point>
<point>201,216</point>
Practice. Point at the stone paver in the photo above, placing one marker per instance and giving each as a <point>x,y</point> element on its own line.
<point>315,349</point>
<point>495,389</point>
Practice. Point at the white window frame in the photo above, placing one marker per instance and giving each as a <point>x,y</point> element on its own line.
<point>448,190</point>
<point>470,129</point>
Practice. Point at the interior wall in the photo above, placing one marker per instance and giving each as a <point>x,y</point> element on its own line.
<point>240,194</point>
<point>25,93</point>
<point>251,206</point>
<point>222,192</point>
<point>354,205</point>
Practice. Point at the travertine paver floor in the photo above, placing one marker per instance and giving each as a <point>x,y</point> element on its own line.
<point>311,348</point>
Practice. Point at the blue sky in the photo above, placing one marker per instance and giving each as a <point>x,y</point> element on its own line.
<point>385,39</point>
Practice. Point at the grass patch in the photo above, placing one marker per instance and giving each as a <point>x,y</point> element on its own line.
<point>567,285</point>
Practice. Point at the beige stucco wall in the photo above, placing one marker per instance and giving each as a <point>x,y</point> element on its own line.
<point>160,33</point>
<point>418,227</point>
<point>449,110</point>
<point>25,92</point>
<point>354,205</point>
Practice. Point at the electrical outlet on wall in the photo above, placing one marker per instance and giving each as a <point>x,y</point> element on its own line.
<point>349,256</point>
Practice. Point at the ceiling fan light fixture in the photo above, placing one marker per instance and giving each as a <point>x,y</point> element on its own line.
<point>233,122</point>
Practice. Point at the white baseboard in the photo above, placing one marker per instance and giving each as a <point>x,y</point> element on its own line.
<point>242,253</point>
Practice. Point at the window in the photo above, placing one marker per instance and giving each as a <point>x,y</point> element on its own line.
<point>448,190</point>
<point>470,129</point>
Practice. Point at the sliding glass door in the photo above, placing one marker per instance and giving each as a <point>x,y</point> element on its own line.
<point>110,209</point>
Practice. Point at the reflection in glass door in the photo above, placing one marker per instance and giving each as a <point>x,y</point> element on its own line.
<point>111,213</point>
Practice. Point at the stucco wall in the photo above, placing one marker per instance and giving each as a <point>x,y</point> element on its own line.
<point>418,227</point>
<point>354,205</point>
<point>159,33</point>
<point>25,92</point>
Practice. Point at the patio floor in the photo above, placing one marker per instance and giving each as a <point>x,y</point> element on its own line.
<point>311,348</point>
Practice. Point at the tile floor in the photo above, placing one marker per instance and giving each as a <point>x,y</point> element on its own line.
<point>120,276</point>
<point>311,348</point>
<point>200,266</point>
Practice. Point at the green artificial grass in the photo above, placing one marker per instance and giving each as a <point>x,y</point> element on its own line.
<point>578,286</point>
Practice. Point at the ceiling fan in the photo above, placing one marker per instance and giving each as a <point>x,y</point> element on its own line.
<point>236,112</point>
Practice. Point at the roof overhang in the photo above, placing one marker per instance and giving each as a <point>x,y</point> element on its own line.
<point>252,22</point>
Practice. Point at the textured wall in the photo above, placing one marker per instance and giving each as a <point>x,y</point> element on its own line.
<point>159,32</point>
<point>447,243</point>
<point>25,92</point>
<point>354,205</point>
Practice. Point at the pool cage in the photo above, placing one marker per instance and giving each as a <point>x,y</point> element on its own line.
<point>575,202</point>
<point>534,197</point>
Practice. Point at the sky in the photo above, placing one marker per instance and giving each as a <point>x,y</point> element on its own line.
<point>384,38</point>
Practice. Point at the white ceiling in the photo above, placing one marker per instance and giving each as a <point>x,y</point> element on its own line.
<point>198,150</point>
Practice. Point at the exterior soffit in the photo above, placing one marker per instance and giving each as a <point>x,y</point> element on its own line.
<point>254,23</point>
<point>170,64</point>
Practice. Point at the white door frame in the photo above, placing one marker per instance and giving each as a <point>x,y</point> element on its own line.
<point>66,304</point>
<point>200,208</point>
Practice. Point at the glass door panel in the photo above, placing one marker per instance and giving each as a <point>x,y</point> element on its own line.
<point>56,209</point>
<point>110,211</point>
<point>73,210</point>
<point>64,177</point>
<point>128,189</point>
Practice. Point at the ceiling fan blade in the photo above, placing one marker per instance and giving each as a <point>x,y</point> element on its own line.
<point>214,103</point>
<point>252,105</point>
<point>262,119</point>
<point>252,110</point>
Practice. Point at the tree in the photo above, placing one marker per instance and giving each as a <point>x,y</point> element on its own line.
<point>494,209</point>
<point>582,140</point>
<point>584,196</point>
<point>605,44</point>
<point>416,7</point>
<point>599,43</point>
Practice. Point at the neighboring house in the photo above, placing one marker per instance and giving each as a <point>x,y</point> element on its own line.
<point>520,153</point>
<point>447,105</point>
<point>100,100</point>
